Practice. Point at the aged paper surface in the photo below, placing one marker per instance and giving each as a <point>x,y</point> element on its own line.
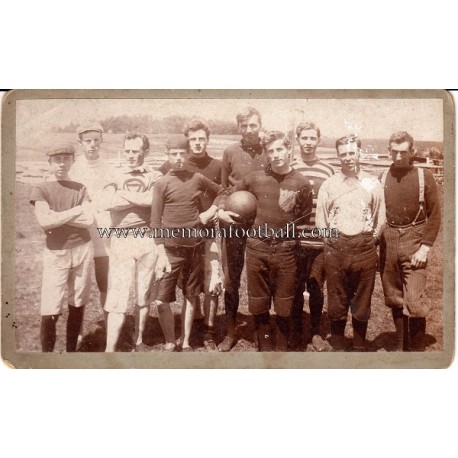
<point>32,120</point>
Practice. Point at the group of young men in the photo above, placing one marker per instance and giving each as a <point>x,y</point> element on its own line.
<point>339,219</point>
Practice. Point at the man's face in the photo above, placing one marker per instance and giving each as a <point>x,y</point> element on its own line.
<point>178,158</point>
<point>249,129</point>
<point>349,156</point>
<point>197,142</point>
<point>133,152</point>
<point>90,142</point>
<point>278,154</point>
<point>308,141</point>
<point>61,164</point>
<point>401,153</point>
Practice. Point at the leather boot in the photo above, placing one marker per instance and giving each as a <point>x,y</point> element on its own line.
<point>359,334</point>
<point>417,327</point>
<point>401,323</point>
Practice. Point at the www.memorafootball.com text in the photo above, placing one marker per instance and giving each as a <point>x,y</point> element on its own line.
<point>288,232</point>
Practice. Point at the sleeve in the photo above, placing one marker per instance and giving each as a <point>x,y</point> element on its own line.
<point>165,167</point>
<point>305,203</point>
<point>433,210</point>
<point>157,210</point>
<point>218,173</point>
<point>37,194</point>
<point>378,210</point>
<point>206,185</point>
<point>153,179</point>
<point>84,195</point>
<point>226,192</point>
<point>321,218</point>
<point>225,169</point>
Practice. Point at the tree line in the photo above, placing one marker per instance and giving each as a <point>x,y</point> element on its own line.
<point>149,125</point>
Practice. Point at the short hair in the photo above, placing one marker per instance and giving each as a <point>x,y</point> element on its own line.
<point>307,126</point>
<point>400,137</point>
<point>348,139</point>
<point>273,136</point>
<point>196,124</point>
<point>247,113</point>
<point>134,135</point>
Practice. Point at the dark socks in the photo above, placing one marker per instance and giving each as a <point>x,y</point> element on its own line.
<point>231,304</point>
<point>264,331</point>
<point>209,332</point>
<point>48,332</point>
<point>282,333</point>
<point>417,327</point>
<point>74,322</point>
<point>401,323</point>
<point>316,301</point>
<point>359,334</point>
<point>338,327</point>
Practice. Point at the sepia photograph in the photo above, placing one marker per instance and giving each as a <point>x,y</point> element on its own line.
<point>228,229</point>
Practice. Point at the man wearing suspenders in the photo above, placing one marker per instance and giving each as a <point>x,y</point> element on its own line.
<point>413,221</point>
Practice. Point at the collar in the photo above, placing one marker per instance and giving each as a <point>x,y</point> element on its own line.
<point>343,177</point>
<point>299,161</point>
<point>399,173</point>
<point>252,149</point>
<point>276,175</point>
<point>140,169</point>
<point>200,161</point>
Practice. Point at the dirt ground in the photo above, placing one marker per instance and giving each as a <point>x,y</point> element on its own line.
<point>28,264</point>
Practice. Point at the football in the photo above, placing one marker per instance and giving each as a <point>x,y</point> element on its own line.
<point>244,204</point>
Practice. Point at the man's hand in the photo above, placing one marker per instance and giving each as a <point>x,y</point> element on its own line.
<point>209,215</point>
<point>420,258</point>
<point>162,266</point>
<point>226,216</point>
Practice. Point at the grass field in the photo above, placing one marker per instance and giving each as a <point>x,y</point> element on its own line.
<point>28,264</point>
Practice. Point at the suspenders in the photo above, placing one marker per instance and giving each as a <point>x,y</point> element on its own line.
<point>421,198</point>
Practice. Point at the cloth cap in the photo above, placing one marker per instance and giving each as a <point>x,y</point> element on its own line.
<point>89,127</point>
<point>178,141</point>
<point>60,148</point>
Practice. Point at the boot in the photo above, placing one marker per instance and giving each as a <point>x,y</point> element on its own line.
<point>401,323</point>
<point>74,323</point>
<point>48,332</point>
<point>282,333</point>
<point>417,327</point>
<point>359,334</point>
<point>337,340</point>
<point>264,332</point>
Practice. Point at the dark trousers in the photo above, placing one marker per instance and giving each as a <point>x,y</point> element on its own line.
<point>350,264</point>
<point>310,272</point>
<point>233,257</point>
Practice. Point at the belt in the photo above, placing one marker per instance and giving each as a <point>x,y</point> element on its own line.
<point>271,241</point>
<point>399,226</point>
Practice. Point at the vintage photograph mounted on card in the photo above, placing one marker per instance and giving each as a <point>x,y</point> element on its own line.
<point>228,229</point>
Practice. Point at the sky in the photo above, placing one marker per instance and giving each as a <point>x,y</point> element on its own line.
<point>368,118</point>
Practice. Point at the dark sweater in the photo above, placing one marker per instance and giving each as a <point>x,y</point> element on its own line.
<point>176,203</point>
<point>206,166</point>
<point>239,160</point>
<point>282,199</point>
<point>402,201</point>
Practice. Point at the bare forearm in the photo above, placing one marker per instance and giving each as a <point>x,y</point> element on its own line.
<point>49,219</point>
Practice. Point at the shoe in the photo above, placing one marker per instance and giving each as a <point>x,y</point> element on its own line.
<point>210,345</point>
<point>169,347</point>
<point>227,344</point>
<point>187,349</point>
<point>139,348</point>
<point>337,342</point>
<point>318,343</point>
<point>295,342</point>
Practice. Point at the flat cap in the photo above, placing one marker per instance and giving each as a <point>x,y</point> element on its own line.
<point>89,127</point>
<point>178,141</point>
<point>60,148</point>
